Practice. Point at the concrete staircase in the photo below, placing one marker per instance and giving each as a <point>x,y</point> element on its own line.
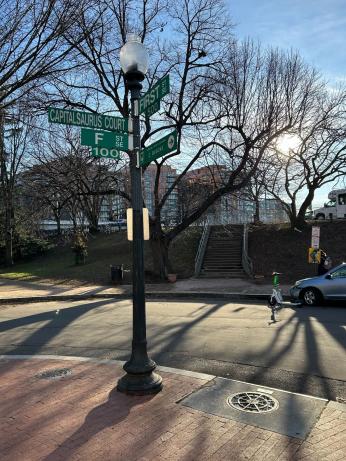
<point>223,256</point>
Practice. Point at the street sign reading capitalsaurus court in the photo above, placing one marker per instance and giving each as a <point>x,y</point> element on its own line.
<point>105,153</point>
<point>88,120</point>
<point>107,139</point>
<point>148,102</point>
<point>159,148</point>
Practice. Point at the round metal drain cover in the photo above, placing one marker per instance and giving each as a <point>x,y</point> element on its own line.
<point>55,374</point>
<point>253,402</point>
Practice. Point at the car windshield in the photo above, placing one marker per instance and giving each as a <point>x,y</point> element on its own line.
<point>339,273</point>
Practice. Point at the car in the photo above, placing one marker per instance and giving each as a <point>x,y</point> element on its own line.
<point>327,287</point>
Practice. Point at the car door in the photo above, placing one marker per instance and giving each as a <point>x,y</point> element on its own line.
<point>335,286</point>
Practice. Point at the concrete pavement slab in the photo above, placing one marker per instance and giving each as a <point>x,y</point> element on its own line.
<point>15,291</point>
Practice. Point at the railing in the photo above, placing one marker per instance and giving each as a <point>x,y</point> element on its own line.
<point>201,248</point>
<point>245,259</point>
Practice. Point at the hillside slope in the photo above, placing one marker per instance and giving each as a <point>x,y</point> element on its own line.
<point>104,250</point>
<point>278,248</point>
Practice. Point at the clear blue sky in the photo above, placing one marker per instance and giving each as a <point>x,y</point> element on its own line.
<point>316,28</point>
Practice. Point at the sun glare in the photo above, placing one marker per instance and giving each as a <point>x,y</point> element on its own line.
<point>287,142</point>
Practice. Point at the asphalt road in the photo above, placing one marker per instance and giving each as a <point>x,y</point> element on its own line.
<point>303,352</point>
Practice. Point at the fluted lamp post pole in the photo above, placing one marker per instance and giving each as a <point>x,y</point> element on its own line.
<point>140,378</point>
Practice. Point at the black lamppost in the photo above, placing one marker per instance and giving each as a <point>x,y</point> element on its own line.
<point>140,378</point>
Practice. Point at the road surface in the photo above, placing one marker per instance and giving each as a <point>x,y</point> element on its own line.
<point>303,352</point>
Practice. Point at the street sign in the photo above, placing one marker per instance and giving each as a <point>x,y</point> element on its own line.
<point>154,94</point>
<point>105,153</point>
<point>159,148</point>
<point>152,109</point>
<point>107,139</point>
<point>315,237</point>
<point>88,120</point>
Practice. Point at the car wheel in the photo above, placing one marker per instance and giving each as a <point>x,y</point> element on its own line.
<point>311,297</point>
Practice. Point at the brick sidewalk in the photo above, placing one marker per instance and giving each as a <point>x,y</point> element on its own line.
<point>83,417</point>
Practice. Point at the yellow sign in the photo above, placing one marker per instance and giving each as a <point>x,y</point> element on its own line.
<point>314,256</point>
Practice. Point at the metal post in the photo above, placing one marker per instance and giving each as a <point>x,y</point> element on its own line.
<point>140,379</point>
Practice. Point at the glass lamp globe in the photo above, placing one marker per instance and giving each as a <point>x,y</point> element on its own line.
<point>134,56</point>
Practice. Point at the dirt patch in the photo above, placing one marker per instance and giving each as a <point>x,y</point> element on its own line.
<point>279,248</point>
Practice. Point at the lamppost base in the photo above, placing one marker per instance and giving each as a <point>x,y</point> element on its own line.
<point>140,384</point>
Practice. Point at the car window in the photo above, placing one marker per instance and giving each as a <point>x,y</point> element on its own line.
<point>340,273</point>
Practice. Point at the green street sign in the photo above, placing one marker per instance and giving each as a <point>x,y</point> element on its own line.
<point>154,94</point>
<point>107,139</point>
<point>87,119</point>
<point>159,148</point>
<point>105,153</point>
<point>152,109</point>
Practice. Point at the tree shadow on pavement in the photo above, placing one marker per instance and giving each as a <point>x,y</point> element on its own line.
<point>56,322</point>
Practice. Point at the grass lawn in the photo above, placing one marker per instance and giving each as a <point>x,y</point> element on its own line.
<point>103,251</point>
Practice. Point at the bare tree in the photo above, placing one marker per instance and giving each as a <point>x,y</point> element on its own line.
<point>229,100</point>
<point>32,48</point>
<point>14,134</point>
<point>319,158</point>
<point>65,176</point>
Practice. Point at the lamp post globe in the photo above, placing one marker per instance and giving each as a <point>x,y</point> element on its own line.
<point>134,56</point>
<point>140,378</point>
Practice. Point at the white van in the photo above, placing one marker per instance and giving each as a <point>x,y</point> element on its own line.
<point>335,208</point>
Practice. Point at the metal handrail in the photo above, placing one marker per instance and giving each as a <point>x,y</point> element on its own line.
<point>202,247</point>
<point>245,259</point>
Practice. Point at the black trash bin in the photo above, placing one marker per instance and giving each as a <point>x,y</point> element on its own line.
<point>117,273</point>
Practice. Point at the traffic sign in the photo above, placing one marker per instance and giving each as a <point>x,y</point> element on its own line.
<point>315,237</point>
<point>159,148</point>
<point>105,153</point>
<point>152,109</point>
<point>107,139</point>
<point>154,94</point>
<point>88,120</point>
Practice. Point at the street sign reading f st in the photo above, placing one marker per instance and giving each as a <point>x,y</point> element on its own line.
<point>159,148</point>
<point>107,139</point>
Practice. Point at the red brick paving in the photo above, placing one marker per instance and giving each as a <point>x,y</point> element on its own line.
<point>81,417</point>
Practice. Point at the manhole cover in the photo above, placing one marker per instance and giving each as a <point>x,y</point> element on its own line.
<point>55,374</point>
<point>253,402</point>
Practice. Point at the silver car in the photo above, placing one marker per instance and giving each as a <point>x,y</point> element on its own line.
<point>330,286</point>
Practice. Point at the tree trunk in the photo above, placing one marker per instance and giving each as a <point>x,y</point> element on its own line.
<point>256,217</point>
<point>299,220</point>
<point>8,236</point>
<point>159,250</point>
<point>57,216</point>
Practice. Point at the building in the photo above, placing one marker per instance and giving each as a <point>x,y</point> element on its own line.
<point>169,212</point>
<point>232,208</point>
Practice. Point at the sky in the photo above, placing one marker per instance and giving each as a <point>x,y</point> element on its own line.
<point>316,28</point>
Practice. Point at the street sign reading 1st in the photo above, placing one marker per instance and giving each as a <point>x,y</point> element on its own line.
<point>105,153</point>
<point>107,139</point>
<point>88,120</point>
<point>159,148</point>
<point>153,95</point>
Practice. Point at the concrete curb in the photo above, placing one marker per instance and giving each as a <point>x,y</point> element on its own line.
<point>149,295</point>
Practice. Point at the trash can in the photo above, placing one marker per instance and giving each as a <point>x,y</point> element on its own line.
<point>117,273</point>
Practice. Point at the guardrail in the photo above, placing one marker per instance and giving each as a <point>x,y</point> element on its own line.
<point>245,259</point>
<point>201,248</point>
